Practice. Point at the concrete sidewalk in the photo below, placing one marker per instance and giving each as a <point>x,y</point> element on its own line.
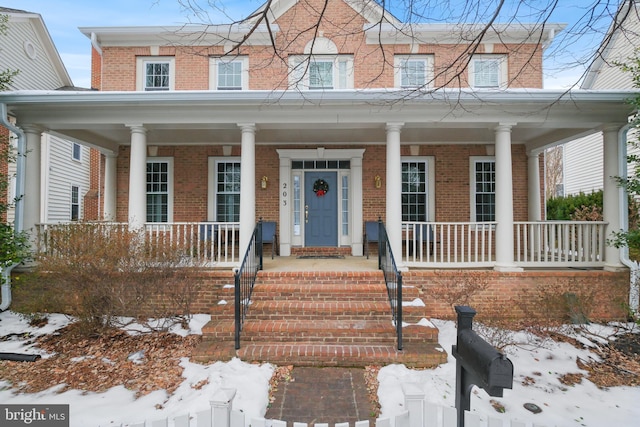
<point>323,395</point>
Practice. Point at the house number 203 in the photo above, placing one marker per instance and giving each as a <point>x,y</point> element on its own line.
<point>284,194</point>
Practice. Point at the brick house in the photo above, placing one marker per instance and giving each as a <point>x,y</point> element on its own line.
<point>363,117</point>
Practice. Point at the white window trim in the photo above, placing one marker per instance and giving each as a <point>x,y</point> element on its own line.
<point>170,178</point>
<point>299,64</point>
<point>141,73</point>
<point>73,157</point>
<point>472,182</point>
<point>502,73</point>
<point>398,68</point>
<point>431,182</point>
<point>213,71</point>
<point>213,184</point>
<point>71,202</point>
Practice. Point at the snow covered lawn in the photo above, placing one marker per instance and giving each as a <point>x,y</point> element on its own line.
<point>540,378</point>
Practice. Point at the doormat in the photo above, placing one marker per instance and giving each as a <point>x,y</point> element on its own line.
<point>320,257</point>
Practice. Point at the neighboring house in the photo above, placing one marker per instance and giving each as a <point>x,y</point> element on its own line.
<point>65,171</point>
<point>583,162</point>
<point>345,126</point>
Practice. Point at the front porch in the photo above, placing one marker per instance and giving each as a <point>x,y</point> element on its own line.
<point>431,245</point>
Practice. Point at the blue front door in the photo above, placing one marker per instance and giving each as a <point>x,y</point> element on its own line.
<point>321,208</point>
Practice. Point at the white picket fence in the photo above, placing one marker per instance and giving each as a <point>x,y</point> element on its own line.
<point>418,413</point>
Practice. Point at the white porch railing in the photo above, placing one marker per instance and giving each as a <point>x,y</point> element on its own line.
<point>448,244</point>
<point>560,243</point>
<point>472,244</point>
<point>205,243</point>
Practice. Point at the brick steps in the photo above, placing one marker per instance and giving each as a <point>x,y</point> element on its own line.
<point>321,319</point>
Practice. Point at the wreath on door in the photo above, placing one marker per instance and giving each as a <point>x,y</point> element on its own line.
<point>320,187</point>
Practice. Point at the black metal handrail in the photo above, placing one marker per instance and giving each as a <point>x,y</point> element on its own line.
<point>245,279</point>
<point>392,278</point>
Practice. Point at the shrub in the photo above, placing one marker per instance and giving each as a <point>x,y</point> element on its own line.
<point>98,273</point>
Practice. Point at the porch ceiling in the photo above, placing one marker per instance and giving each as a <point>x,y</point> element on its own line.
<point>100,119</point>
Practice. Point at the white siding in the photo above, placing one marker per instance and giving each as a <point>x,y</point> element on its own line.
<point>583,165</point>
<point>36,72</point>
<point>583,169</point>
<point>60,173</point>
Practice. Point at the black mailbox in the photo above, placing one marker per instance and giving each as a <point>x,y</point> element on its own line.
<point>478,363</point>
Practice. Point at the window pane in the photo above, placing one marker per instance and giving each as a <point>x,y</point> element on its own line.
<point>230,75</point>
<point>156,76</point>
<point>414,191</point>
<point>412,73</point>
<point>228,192</point>
<point>157,192</point>
<point>321,75</point>
<point>485,186</point>
<point>486,73</point>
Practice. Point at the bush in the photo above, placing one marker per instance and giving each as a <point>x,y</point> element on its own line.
<point>98,273</point>
<point>566,208</point>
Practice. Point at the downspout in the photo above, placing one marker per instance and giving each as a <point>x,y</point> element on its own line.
<point>18,222</point>
<point>634,277</point>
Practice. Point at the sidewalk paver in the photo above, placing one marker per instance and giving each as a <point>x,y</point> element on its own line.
<point>322,395</point>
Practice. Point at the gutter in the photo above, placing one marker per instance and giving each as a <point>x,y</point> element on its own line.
<point>18,222</point>
<point>634,277</point>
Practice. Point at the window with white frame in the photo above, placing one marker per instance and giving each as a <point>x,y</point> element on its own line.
<point>414,190</point>
<point>483,185</point>
<point>76,151</point>
<point>488,71</point>
<point>75,203</point>
<point>229,73</point>
<point>159,190</point>
<point>321,72</point>
<point>227,198</point>
<point>413,71</point>
<point>155,73</point>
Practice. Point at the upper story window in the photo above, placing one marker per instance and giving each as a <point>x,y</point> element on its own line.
<point>155,73</point>
<point>488,71</point>
<point>76,151</point>
<point>413,71</point>
<point>321,72</point>
<point>229,73</point>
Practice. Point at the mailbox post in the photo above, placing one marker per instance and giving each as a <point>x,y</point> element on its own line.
<point>477,363</point>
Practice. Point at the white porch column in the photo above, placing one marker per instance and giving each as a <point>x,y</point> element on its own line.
<point>611,195</point>
<point>247,184</point>
<point>394,191</point>
<point>504,200</point>
<point>535,207</point>
<point>32,179</point>
<point>138,178</point>
<point>356,214</point>
<point>110,185</point>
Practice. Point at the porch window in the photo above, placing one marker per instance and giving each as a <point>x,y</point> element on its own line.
<point>414,191</point>
<point>228,191</point>
<point>229,73</point>
<point>484,185</point>
<point>488,71</point>
<point>321,72</point>
<point>155,73</point>
<point>75,203</point>
<point>413,71</point>
<point>159,188</point>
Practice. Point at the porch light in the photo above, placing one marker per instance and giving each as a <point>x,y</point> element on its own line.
<point>378,181</point>
<point>263,182</point>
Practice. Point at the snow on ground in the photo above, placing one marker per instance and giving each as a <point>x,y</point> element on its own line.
<point>539,368</point>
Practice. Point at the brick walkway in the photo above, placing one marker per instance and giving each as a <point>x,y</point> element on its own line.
<point>322,395</point>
